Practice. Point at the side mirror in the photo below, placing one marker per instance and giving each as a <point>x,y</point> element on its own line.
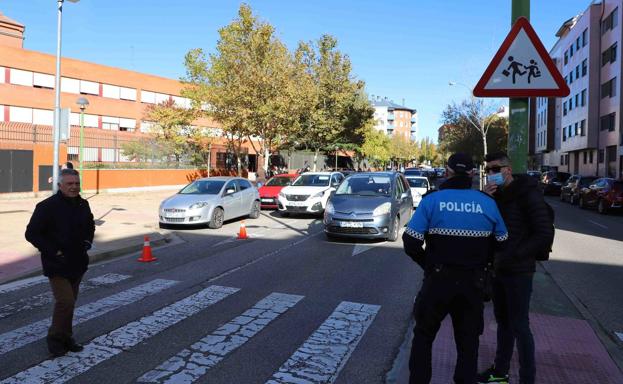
<point>230,191</point>
<point>433,188</point>
<point>404,195</point>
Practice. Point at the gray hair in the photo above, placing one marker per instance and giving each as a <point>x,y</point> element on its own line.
<point>67,172</point>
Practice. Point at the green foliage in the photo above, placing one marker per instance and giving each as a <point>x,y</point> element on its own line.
<point>376,147</point>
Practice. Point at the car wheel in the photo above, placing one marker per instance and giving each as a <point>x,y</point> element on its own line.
<point>217,218</point>
<point>255,210</point>
<point>601,207</point>
<point>284,214</point>
<point>581,203</point>
<point>393,235</point>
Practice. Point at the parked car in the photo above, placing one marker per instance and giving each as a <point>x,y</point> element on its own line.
<point>604,194</point>
<point>551,182</point>
<point>369,205</point>
<point>269,192</point>
<point>211,201</point>
<point>414,172</point>
<point>570,190</point>
<point>441,172</point>
<point>419,185</point>
<point>535,174</point>
<point>308,193</point>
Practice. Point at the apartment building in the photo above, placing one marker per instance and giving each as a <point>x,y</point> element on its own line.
<point>395,119</point>
<point>581,133</point>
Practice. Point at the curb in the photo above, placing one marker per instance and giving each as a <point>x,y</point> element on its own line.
<point>97,257</point>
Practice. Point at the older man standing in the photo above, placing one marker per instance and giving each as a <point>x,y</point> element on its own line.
<point>62,229</point>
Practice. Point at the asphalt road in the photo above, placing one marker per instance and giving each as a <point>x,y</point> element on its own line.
<point>587,262</point>
<point>234,311</point>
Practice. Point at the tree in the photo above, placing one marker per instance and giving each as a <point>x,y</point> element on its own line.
<point>473,127</point>
<point>401,149</point>
<point>254,87</point>
<point>337,109</point>
<point>172,126</point>
<point>376,147</point>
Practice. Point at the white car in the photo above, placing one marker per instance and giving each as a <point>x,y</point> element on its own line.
<point>309,193</point>
<point>419,185</point>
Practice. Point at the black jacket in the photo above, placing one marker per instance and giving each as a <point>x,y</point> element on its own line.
<point>529,225</point>
<point>62,224</point>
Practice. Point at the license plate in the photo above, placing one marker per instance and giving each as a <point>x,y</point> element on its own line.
<point>174,215</point>
<point>350,224</point>
<point>297,203</point>
<point>267,200</point>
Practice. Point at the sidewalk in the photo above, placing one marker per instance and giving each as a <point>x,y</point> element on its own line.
<point>568,349</point>
<point>121,222</point>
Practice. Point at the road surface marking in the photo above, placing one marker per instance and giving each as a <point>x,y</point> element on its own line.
<point>597,224</point>
<point>20,284</point>
<point>190,364</point>
<point>619,335</point>
<point>323,355</point>
<point>46,297</point>
<point>25,335</point>
<point>106,346</point>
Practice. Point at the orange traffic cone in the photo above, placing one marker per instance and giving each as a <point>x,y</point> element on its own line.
<point>242,235</point>
<point>147,256</point>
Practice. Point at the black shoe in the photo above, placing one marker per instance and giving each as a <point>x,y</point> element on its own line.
<point>56,345</point>
<point>72,346</point>
<point>491,376</point>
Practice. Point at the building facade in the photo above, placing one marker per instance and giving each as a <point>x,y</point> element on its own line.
<point>581,133</point>
<point>394,119</point>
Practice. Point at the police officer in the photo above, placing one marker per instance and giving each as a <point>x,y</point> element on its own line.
<point>460,227</point>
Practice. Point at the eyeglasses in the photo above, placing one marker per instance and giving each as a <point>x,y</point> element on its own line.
<point>495,168</point>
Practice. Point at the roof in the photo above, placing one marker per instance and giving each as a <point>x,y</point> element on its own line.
<point>4,19</point>
<point>390,105</point>
<point>567,25</point>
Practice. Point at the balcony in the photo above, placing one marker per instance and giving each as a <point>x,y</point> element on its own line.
<point>390,117</point>
<point>391,127</point>
<point>413,120</point>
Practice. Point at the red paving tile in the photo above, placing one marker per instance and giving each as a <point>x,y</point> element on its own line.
<point>567,352</point>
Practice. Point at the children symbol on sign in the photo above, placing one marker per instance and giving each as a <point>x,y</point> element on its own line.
<point>515,66</point>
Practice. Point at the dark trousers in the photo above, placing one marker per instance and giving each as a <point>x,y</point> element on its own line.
<point>459,294</point>
<point>511,304</point>
<point>65,293</point>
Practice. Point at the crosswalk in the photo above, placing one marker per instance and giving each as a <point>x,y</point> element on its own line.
<point>319,359</point>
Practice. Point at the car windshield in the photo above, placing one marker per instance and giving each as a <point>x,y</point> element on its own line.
<point>203,187</point>
<point>587,181</point>
<point>365,185</point>
<point>279,182</point>
<point>312,181</point>
<point>413,172</point>
<point>417,183</point>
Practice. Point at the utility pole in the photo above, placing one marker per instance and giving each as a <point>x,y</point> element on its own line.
<point>518,124</point>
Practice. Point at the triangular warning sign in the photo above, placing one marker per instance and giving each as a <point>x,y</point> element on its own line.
<point>521,68</point>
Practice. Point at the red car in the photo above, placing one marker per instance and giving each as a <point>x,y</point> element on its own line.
<point>604,193</point>
<point>270,190</point>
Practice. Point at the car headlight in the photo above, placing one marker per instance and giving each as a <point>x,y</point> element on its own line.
<point>382,209</point>
<point>319,194</point>
<point>330,209</point>
<point>200,204</point>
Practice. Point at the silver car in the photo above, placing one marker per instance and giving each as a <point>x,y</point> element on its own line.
<point>211,201</point>
<point>369,205</point>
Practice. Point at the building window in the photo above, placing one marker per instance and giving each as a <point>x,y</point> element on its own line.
<point>577,44</point>
<point>601,155</point>
<point>571,51</point>
<point>583,128</point>
<point>562,160</point>
<point>590,157</point>
<point>570,103</point>
<point>608,89</point>
<point>564,134</point>
<point>609,22</point>
<point>584,67</point>
<point>577,71</point>
<point>577,100</point>
<point>583,97</point>
<point>609,55</point>
<point>566,57</point>
<point>585,37</point>
<point>607,123</point>
<point>570,77</point>
<point>585,156</point>
<point>577,131</point>
<point>564,108</point>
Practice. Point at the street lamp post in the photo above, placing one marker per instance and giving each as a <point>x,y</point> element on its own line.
<point>57,95</point>
<point>83,103</point>
<point>336,149</point>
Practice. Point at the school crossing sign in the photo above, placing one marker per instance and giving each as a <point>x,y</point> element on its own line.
<point>521,68</point>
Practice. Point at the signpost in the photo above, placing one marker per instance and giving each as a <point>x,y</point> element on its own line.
<point>520,69</point>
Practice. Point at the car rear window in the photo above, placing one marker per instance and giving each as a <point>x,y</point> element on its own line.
<point>279,182</point>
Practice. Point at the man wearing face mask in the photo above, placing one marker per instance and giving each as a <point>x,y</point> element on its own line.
<point>530,232</point>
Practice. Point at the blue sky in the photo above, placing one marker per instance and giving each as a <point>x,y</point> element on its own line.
<point>406,49</point>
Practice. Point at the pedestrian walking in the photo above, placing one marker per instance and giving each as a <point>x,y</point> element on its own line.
<point>458,225</point>
<point>62,229</point>
<point>531,233</point>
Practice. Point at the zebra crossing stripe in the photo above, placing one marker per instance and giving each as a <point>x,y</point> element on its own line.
<point>104,347</point>
<point>323,355</point>
<point>46,297</point>
<point>20,284</point>
<point>25,335</point>
<point>192,363</point>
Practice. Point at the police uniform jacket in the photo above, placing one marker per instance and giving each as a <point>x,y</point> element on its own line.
<point>64,224</point>
<point>459,225</point>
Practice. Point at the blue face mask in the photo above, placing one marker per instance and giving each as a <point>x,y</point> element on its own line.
<point>496,178</point>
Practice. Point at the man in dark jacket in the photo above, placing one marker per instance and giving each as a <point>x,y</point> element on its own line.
<point>62,229</point>
<point>530,233</point>
<point>458,225</point>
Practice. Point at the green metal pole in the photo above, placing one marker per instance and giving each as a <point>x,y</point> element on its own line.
<point>81,144</point>
<point>518,116</point>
